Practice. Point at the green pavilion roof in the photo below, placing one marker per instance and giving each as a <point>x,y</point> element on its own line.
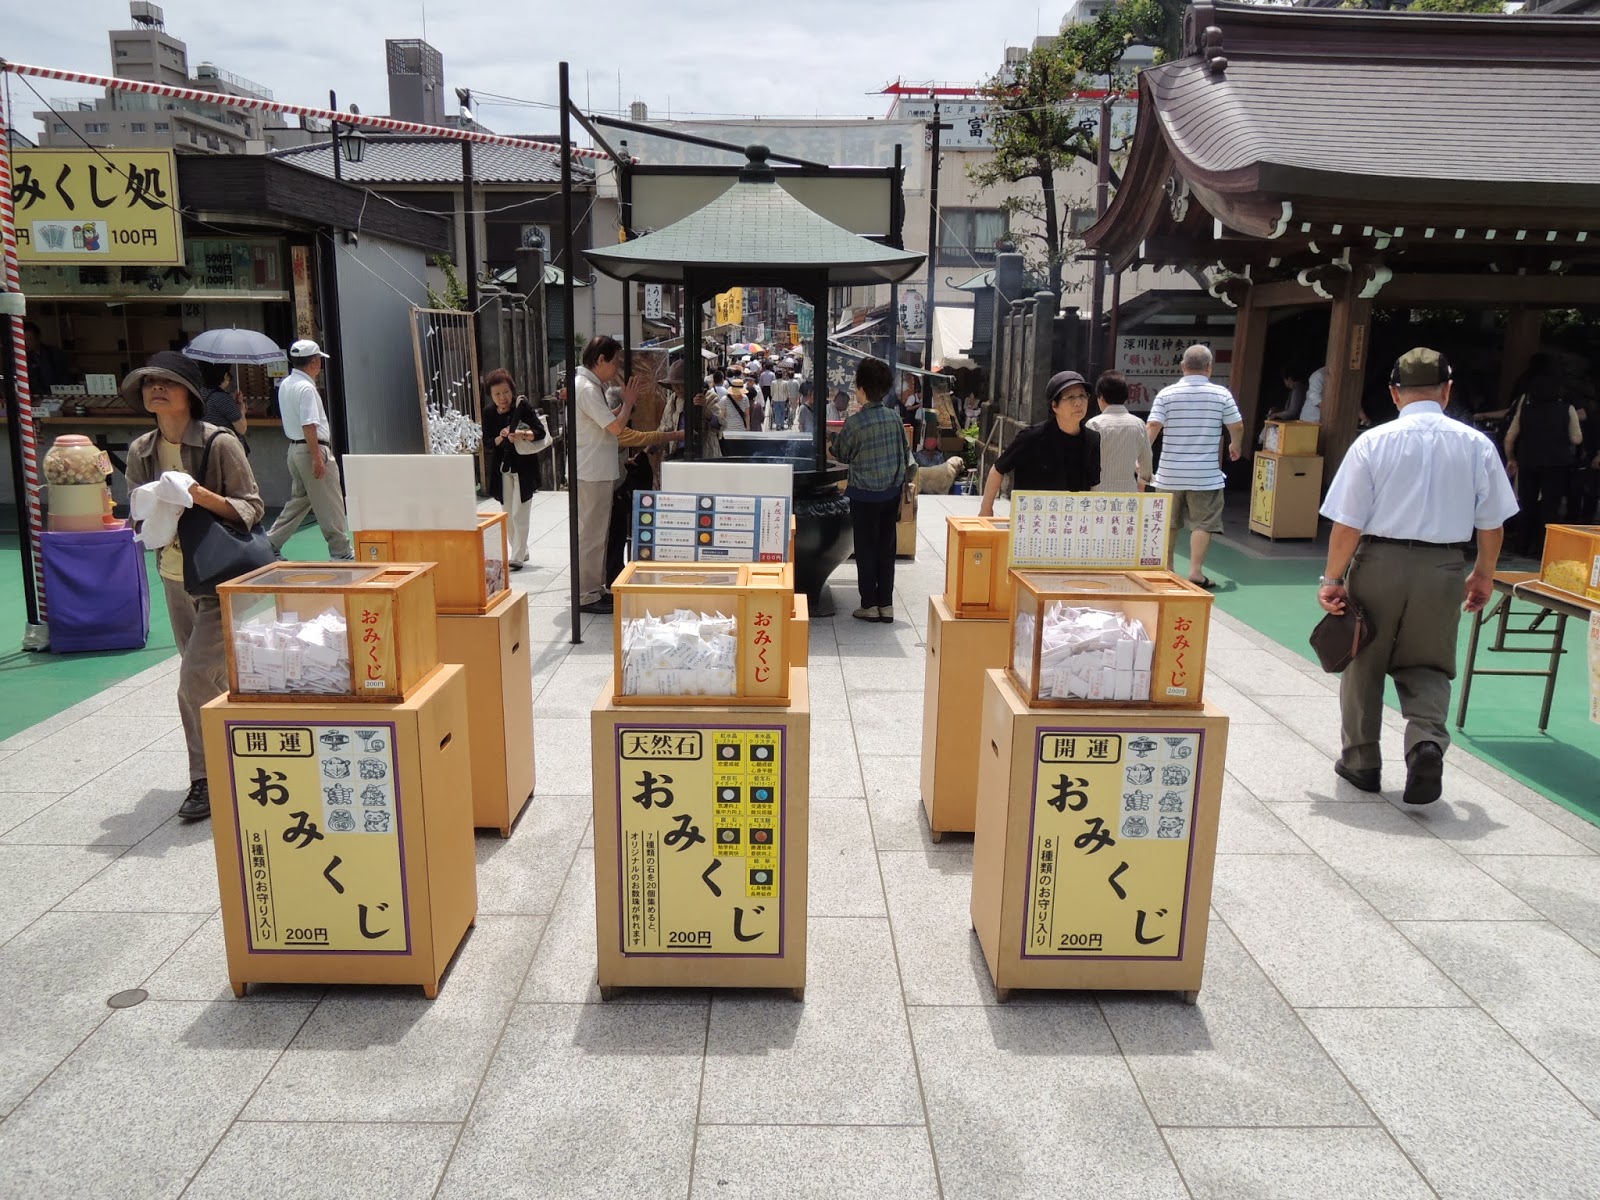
<point>755,226</point>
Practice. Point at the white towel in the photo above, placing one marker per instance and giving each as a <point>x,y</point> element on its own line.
<point>155,507</point>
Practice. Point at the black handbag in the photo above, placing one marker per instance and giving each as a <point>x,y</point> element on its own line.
<point>1339,637</point>
<point>216,551</point>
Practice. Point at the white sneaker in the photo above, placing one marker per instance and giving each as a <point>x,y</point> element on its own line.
<point>886,614</point>
<point>866,614</point>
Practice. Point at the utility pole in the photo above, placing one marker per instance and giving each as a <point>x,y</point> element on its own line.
<point>1102,200</point>
<point>333,131</point>
<point>933,258</point>
<point>464,95</point>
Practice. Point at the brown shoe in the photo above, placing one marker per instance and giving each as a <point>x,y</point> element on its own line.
<point>1424,773</point>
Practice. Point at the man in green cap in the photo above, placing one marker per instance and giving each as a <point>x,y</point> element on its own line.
<point>1405,503</point>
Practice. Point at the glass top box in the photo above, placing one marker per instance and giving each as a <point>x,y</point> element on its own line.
<point>350,631</point>
<point>698,635</point>
<point>1093,638</point>
<point>472,564</point>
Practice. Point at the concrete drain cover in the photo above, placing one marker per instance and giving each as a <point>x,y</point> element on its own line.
<point>129,998</point>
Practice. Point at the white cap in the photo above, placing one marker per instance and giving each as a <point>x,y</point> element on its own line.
<point>306,348</point>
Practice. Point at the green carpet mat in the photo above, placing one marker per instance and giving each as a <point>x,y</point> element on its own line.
<point>1278,597</point>
<point>34,686</point>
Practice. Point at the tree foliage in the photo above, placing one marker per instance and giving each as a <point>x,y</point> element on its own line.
<point>454,295</point>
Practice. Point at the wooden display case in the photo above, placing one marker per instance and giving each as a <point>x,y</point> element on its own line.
<point>760,602</point>
<point>960,650</point>
<point>977,581</point>
<point>343,836</point>
<point>1285,495</point>
<point>701,844</point>
<point>1290,438</point>
<point>329,630</point>
<point>1095,844</point>
<point>493,646</point>
<point>1572,559</point>
<point>472,572</point>
<point>1175,613</point>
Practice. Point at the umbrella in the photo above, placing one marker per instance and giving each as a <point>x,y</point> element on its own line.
<point>234,346</point>
<point>745,348</point>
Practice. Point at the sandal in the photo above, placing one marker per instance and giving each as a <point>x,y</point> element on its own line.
<point>1210,585</point>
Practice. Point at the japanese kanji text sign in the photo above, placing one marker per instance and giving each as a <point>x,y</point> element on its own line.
<point>700,812</point>
<point>97,207</point>
<point>321,849</point>
<point>1089,529</point>
<point>1111,842</point>
<point>685,527</point>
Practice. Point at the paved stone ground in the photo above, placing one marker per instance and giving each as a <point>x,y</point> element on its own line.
<point>1396,1004</point>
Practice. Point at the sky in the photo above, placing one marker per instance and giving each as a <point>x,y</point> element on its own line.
<point>822,58</point>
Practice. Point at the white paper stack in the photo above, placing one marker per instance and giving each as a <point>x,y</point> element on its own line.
<point>685,654</point>
<point>1090,654</point>
<point>294,656</point>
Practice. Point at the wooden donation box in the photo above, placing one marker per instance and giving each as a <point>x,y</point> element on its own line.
<point>1295,439</point>
<point>967,634</point>
<point>1095,843</point>
<point>1285,495</point>
<point>494,649</point>
<point>341,817</point>
<point>471,573</point>
<point>701,766</point>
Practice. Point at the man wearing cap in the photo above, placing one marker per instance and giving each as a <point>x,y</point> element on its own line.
<point>1058,455</point>
<point>1405,504</point>
<point>313,471</point>
<point>1195,413</point>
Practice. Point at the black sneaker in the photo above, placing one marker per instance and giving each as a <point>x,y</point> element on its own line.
<point>197,804</point>
<point>600,606</point>
<point>1424,773</point>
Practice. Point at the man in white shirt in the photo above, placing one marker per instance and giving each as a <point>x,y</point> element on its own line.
<point>1195,412</point>
<point>1311,410</point>
<point>1124,446</point>
<point>1405,504</point>
<point>599,465</point>
<point>313,471</point>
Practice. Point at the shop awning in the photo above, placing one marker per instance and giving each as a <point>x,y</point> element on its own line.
<point>856,330</point>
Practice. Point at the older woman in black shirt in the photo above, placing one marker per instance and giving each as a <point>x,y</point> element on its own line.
<point>513,476</point>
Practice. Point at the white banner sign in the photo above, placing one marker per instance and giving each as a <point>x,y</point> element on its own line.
<point>1151,362</point>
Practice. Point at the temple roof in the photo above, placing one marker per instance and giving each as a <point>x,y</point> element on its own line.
<point>1355,127</point>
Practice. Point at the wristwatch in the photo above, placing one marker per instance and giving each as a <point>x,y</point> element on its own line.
<point>1326,581</point>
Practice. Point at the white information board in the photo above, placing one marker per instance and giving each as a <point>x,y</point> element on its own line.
<point>410,491</point>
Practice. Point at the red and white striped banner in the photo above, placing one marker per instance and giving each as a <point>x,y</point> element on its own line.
<point>227,100</point>
<point>22,418</point>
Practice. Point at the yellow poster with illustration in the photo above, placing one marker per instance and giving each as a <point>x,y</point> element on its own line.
<point>97,208</point>
<point>1112,842</point>
<point>320,844</point>
<point>700,816</point>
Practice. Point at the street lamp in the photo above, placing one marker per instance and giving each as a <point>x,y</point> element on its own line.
<point>353,145</point>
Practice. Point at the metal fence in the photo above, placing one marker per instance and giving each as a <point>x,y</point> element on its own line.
<point>447,370</point>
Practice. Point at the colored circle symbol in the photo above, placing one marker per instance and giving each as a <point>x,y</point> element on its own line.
<point>647,501</point>
<point>728,795</point>
<point>763,752</point>
<point>728,835</point>
<point>760,876</point>
<point>760,836</point>
<point>729,752</point>
<point>763,794</point>
<point>705,539</point>
<point>705,522</point>
<point>705,501</point>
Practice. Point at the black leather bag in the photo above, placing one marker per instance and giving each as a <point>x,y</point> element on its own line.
<point>214,550</point>
<point>1339,637</point>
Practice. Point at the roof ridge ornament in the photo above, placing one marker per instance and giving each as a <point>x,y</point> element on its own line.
<point>757,170</point>
<point>1211,49</point>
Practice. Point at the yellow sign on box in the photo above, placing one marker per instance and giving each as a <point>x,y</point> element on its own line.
<point>320,844</point>
<point>1112,842</point>
<point>700,814</point>
<point>93,207</point>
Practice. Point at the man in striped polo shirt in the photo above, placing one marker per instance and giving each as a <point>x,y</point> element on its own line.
<point>1193,413</point>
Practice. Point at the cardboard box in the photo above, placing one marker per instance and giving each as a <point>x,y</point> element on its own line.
<point>494,649</point>
<point>1285,496</point>
<point>471,575</point>
<point>343,836</point>
<point>1065,798</point>
<point>700,844</point>
<point>959,652</point>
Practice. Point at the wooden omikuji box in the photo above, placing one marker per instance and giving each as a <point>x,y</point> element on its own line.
<point>329,630</point>
<point>493,646</point>
<point>1175,613</point>
<point>1095,843</point>
<point>977,579</point>
<point>799,632</point>
<point>343,835</point>
<point>1291,438</point>
<point>959,652</point>
<point>472,573</point>
<point>700,844</point>
<point>1285,495</point>
<point>761,604</point>
<point>1572,559</point>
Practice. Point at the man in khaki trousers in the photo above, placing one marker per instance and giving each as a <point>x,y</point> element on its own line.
<point>1406,503</point>
<point>313,471</point>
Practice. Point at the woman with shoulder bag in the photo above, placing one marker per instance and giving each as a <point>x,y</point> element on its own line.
<point>220,483</point>
<point>511,428</point>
